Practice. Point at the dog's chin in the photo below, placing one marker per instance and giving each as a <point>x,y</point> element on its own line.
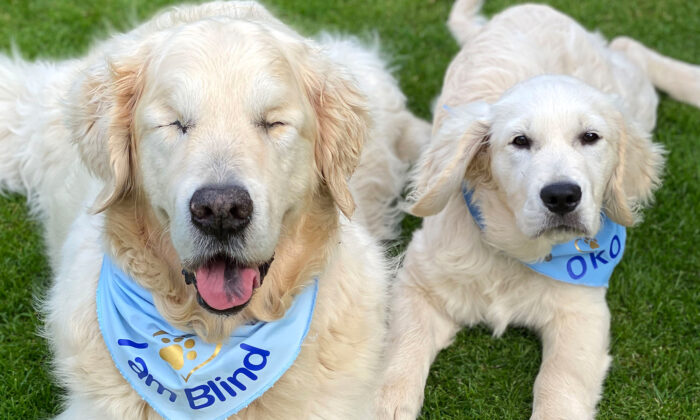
<point>562,229</point>
<point>225,285</point>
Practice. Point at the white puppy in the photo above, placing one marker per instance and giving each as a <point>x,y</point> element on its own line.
<point>208,142</point>
<point>540,145</point>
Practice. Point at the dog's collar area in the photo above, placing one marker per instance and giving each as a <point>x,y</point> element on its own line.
<point>181,376</point>
<point>473,209</point>
<point>582,261</point>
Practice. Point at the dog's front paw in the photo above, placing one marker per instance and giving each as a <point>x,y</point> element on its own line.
<point>397,400</point>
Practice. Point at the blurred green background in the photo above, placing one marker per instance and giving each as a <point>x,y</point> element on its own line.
<point>654,295</point>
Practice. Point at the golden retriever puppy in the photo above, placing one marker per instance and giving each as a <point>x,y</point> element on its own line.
<point>540,156</point>
<point>192,180</point>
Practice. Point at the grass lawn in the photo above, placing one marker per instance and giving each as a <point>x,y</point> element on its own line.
<point>654,295</point>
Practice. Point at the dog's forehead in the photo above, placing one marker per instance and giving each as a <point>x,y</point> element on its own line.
<point>213,57</point>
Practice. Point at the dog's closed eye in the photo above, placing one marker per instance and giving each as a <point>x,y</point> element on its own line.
<point>177,123</point>
<point>267,125</point>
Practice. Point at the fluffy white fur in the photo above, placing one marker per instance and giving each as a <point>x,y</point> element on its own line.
<point>92,145</point>
<point>530,71</point>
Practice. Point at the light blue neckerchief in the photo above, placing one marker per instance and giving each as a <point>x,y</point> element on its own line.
<point>583,261</point>
<point>179,375</point>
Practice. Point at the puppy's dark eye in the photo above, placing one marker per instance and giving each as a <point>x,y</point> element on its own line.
<point>521,142</point>
<point>589,137</point>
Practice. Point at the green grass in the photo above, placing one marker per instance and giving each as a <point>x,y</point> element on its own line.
<point>654,295</point>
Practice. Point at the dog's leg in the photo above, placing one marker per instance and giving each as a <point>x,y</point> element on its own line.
<point>379,179</point>
<point>418,332</point>
<point>35,151</point>
<point>574,361</point>
<point>414,136</point>
<point>78,407</point>
<point>37,158</point>
<point>14,143</point>
<point>678,79</point>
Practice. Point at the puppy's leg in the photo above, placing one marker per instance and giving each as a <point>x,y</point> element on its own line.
<point>574,360</point>
<point>678,79</point>
<point>418,332</point>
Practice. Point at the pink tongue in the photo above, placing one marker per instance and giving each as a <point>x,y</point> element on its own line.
<point>223,287</point>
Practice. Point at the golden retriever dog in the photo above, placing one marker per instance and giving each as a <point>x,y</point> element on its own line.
<point>541,141</point>
<point>208,155</point>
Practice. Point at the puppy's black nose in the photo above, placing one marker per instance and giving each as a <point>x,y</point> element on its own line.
<point>561,197</point>
<point>221,210</point>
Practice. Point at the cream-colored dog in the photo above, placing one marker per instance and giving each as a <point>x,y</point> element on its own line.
<point>548,126</point>
<point>210,139</point>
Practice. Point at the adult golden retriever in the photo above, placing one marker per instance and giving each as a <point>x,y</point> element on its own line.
<point>213,141</point>
<point>540,128</point>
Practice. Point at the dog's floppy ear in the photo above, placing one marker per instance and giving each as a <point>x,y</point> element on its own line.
<point>636,176</point>
<point>342,124</point>
<point>101,108</point>
<point>443,165</point>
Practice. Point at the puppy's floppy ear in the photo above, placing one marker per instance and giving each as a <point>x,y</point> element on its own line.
<point>342,124</point>
<point>101,107</point>
<point>636,176</point>
<point>443,165</point>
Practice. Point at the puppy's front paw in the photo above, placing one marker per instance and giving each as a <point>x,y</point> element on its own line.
<point>561,409</point>
<point>399,401</point>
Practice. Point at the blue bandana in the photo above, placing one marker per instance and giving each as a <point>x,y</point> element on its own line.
<point>178,374</point>
<point>583,261</point>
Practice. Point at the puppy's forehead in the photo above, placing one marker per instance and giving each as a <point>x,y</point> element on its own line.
<point>550,104</point>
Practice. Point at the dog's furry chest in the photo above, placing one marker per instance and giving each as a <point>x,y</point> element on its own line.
<point>481,285</point>
<point>332,359</point>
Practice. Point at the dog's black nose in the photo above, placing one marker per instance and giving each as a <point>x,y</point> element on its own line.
<point>561,197</point>
<point>221,211</point>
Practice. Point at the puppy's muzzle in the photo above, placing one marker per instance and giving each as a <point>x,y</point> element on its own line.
<point>561,197</point>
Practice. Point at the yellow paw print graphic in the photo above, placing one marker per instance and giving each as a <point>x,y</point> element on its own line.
<point>181,349</point>
<point>591,242</point>
<point>174,354</point>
